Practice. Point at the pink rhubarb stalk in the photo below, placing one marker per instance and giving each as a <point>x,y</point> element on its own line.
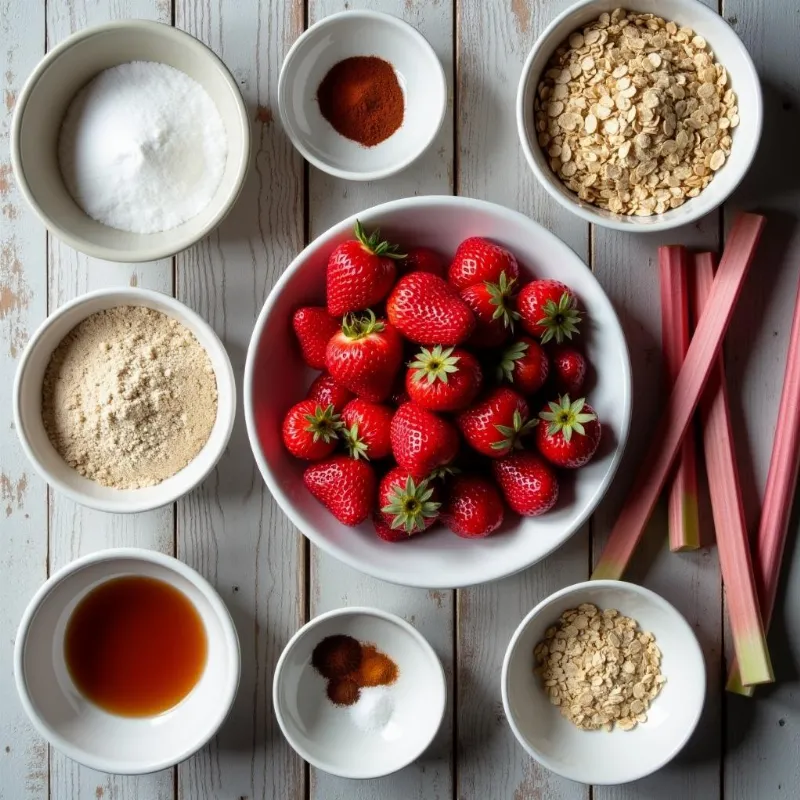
<point>779,493</point>
<point>684,520</point>
<point>668,436</point>
<point>749,638</point>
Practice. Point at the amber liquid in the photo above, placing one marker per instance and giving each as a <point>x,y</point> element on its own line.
<point>135,646</point>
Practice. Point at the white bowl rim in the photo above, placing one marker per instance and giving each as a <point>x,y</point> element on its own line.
<point>142,296</point>
<point>352,611</point>
<point>345,174</point>
<point>170,563</point>
<point>576,588</point>
<point>144,253</point>
<point>249,373</point>
<point>586,213</point>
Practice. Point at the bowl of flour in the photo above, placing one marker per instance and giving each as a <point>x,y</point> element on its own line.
<point>124,400</point>
<point>130,141</point>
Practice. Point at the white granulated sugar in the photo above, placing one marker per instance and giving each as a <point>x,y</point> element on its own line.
<point>374,709</point>
<point>142,147</point>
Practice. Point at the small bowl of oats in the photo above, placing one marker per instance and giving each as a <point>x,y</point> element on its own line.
<point>640,119</point>
<point>603,682</point>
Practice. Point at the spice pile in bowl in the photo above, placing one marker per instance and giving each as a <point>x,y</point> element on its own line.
<point>450,392</point>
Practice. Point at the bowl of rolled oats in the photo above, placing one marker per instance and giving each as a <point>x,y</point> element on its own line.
<point>640,119</point>
<point>603,682</point>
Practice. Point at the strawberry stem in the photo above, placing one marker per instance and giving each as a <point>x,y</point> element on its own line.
<point>356,447</point>
<point>500,295</point>
<point>431,365</point>
<point>410,506</point>
<point>560,319</point>
<point>324,423</point>
<point>512,434</point>
<point>373,243</point>
<point>565,417</point>
<point>358,326</point>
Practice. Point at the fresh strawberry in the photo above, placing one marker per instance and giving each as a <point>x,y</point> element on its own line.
<point>528,483</point>
<point>361,272</point>
<point>311,431</point>
<point>326,391</point>
<point>549,310</point>
<point>422,441</point>
<point>386,532</point>
<point>569,434</point>
<point>524,364</point>
<point>365,356</point>
<point>478,260</point>
<point>427,310</point>
<point>474,507</point>
<point>492,304</point>
<point>443,380</point>
<point>366,431</point>
<point>345,486</point>
<point>495,425</point>
<point>314,328</point>
<point>423,259</point>
<point>569,369</point>
<point>407,503</point>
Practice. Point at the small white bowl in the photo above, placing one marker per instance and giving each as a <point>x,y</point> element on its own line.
<point>82,730</point>
<point>729,51</point>
<point>28,404</point>
<point>598,757</point>
<point>326,735</point>
<point>361,33</point>
<point>44,100</point>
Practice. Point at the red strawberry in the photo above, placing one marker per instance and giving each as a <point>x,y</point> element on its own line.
<point>474,508</point>
<point>314,328</point>
<point>326,391</point>
<point>427,310</point>
<point>311,431</point>
<point>423,259</point>
<point>345,486</point>
<point>569,369</point>
<point>524,364</point>
<point>421,441</point>
<point>386,532</point>
<point>443,380</point>
<point>495,425</point>
<point>549,310</point>
<point>361,272</point>
<point>366,432</point>
<point>478,260</point>
<point>529,484</point>
<point>407,503</point>
<point>569,434</point>
<point>494,315</point>
<point>365,356</point>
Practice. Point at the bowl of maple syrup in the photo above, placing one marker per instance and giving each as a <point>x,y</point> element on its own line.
<point>127,661</point>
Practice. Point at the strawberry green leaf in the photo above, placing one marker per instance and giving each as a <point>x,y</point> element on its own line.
<point>500,295</point>
<point>358,326</point>
<point>435,364</point>
<point>566,416</point>
<point>373,244</point>
<point>560,319</point>
<point>410,506</point>
<point>508,361</point>
<point>357,448</point>
<point>324,424</point>
<point>512,434</point>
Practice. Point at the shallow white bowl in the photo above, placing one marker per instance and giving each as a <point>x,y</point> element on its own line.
<point>83,731</point>
<point>28,404</point>
<point>44,100</point>
<point>598,757</point>
<point>361,33</point>
<point>325,735</point>
<point>729,51</point>
<point>274,380</point>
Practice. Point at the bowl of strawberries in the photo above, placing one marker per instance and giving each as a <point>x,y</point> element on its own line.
<point>438,392</point>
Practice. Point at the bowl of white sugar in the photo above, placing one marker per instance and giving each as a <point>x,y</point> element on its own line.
<point>130,141</point>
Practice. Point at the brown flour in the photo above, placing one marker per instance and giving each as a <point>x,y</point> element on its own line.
<point>129,397</point>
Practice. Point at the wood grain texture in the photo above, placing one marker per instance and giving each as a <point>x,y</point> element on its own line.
<point>230,529</point>
<point>762,736</point>
<point>23,495</point>
<point>332,584</point>
<point>493,40</point>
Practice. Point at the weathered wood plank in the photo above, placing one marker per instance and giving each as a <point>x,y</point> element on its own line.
<point>23,495</point>
<point>493,40</point>
<point>230,529</point>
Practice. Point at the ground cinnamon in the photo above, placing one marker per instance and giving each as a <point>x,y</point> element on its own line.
<point>336,656</point>
<point>376,668</point>
<point>343,692</point>
<point>362,99</point>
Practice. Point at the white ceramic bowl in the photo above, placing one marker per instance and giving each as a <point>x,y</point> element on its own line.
<point>28,404</point>
<point>85,732</point>
<point>598,757</point>
<point>361,33</point>
<point>326,735</point>
<point>44,100</point>
<point>729,51</point>
<point>275,379</point>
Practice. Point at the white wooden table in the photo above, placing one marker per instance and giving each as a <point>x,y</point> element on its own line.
<point>233,533</point>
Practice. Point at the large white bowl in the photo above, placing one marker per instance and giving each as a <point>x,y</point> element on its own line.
<point>275,379</point>
<point>729,51</point>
